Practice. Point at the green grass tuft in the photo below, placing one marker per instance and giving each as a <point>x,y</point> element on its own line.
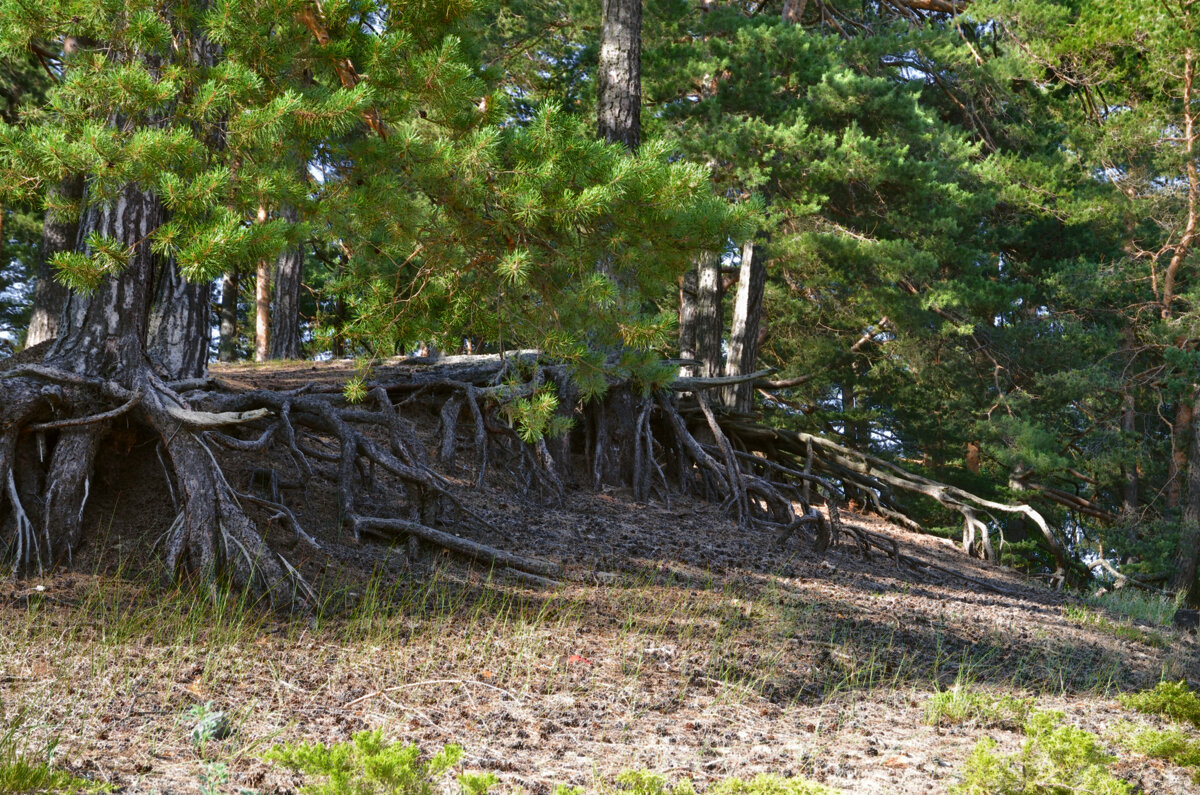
<point>25,769</point>
<point>960,704</point>
<point>1138,605</point>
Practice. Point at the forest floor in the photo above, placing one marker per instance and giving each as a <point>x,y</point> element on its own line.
<point>713,654</point>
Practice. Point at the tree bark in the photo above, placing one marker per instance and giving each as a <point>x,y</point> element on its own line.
<point>689,288</point>
<point>1129,501</point>
<point>1181,431</point>
<point>1188,550</point>
<point>262,304</point>
<point>285,316</point>
<point>973,456</point>
<point>179,326</point>
<point>747,322</point>
<point>709,315</point>
<point>227,350</point>
<point>793,11</point>
<point>619,76</point>
<point>49,297</point>
<point>105,332</point>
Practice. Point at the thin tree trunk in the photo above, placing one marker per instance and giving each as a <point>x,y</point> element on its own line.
<point>1129,428</point>
<point>262,303</point>
<point>688,290</point>
<point>227,351</point>
<point>338,344</point>
<point>747,321</point>
<point>59,234</point>
<point>973,456</point>
<point>285,317</point>
<point>709,316</point>
<point>1188,551</point>
<point>1187,554</point>
<point>1181,431</point>
<point>619,76</point>
<point>793,11</point>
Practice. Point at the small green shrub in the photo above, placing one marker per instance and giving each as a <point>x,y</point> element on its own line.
<point>25,769</point>
<point>1174,745</point>
<point>211,724</point>
<point>370,766</point>
<point>960,704</point>
<point>769,785</point>
<point>1056,759</point>
<point>643,782</point>
<point>1175,700</point>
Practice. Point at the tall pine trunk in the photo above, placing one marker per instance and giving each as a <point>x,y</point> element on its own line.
<point>58,235</point>
<point>262,303</point>
<point>285,316</point>
<point>746,325</point>
<point>1129,501</point>
<point>179,325</point>
<point>619,77</point>
<point>227,350</point>
<point>1187,555</point>
<point>689,288</point>
<point>709,316</point>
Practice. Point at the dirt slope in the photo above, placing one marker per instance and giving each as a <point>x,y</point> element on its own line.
<point>713,654</point>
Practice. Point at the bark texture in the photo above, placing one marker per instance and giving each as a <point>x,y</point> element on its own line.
<point>227,350</point>
<point>747,323</point>
<point>105,332</point>
<point>49,297</point>
<point>285,315</point>
<point>179,326</point>
<point>619,80</point>
<point>709,317</point>
<point>262,304</point>
<point>1187,555</point>
<point>688,289</point>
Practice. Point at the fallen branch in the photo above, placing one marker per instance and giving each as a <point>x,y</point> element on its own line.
<point>463,546</point>
<point>94,418</point>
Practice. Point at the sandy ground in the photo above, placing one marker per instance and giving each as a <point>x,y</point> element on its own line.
<point>715,652</point>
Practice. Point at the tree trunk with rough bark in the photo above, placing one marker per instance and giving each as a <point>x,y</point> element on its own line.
<point>1181,430</point>
<point>100,358</point>
<point>227,350</point>
<point>619,76</point>
<point>793,11</point>
<point>746,325</point>
<point>179,326</point>
<point>709,315</point>
<point>262,304</point>
<point>689,288</point>
<point>1188,549</point>
<point>1187,554</point>
<point>285,315</point>
<point>1129,501</point>
<point>49,297</point>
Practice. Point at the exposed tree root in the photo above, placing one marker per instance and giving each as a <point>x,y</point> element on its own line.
<point>655,445</point>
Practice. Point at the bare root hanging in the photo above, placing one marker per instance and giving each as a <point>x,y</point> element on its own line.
<point>651,444</point>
